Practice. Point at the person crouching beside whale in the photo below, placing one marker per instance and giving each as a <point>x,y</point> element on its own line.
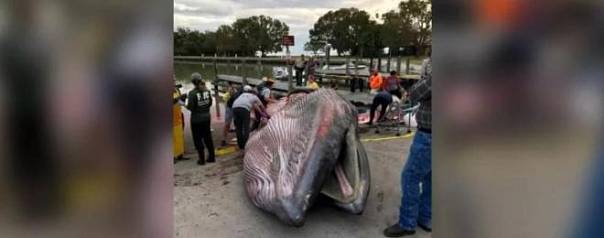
<point>199,103</point>
<point>246,103</point>
<point>383,99</point>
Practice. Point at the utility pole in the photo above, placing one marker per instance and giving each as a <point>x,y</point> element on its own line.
<point>290,86</point>
<point>327,53</point>
<point>288,40</point>
<point>389,59</point>
<point>216,96</point>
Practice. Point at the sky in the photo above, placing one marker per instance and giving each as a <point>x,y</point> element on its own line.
<point>299,15</point>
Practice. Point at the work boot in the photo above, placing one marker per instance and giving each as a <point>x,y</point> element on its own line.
<point>180,158</point>
<point>211,159</point>
<point>424,227</point>
<point>397,231</point>
<point>202,159</point>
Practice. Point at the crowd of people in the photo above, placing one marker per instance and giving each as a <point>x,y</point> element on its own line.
<point>305,70</point>
<point>242,102</point>
<point>386,89</point>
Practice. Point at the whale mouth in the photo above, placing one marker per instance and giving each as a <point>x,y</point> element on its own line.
<point>309,147</point>
<point>348,184</point>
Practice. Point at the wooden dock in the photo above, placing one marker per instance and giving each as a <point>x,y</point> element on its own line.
<point>280,88</point>
<point>395,63</point>
<point>362,73</point>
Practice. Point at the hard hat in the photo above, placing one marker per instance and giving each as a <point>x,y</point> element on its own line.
<point>247,88</point>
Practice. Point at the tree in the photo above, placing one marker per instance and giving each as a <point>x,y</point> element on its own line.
<point>179,41</point>
<point>259,33</point>
<point>374,44</point>
<point>417,16</point>
<point>208,45</point>
<point>187,42</point>
<point>243,29</point>
<point>395,31</point>
<point>347,30</point>
<point>225,40</point>
<point>351,30</point>
<point>244,37</point>
<point>313,46</point>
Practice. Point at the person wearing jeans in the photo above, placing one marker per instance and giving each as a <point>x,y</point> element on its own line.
<point>415,206</point>
<point>416,178</point>
<point>591,204</point>
<point>382,99</point>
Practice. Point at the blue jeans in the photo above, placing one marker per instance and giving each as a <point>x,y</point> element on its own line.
<point>416,204</point>
<point>592,213</point>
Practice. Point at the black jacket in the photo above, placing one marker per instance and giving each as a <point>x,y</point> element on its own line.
<point>232,99</point>
<point>199,103</point>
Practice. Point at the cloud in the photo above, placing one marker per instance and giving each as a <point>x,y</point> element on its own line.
<point>201,23</point>
<point>291,3</point>
<point>204,8</point>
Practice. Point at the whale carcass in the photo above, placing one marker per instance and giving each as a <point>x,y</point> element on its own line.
<point>309,146</point>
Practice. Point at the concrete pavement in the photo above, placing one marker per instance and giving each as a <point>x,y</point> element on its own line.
<point>210,200</point>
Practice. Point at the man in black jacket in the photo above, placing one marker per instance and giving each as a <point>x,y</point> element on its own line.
<point>199,103</point>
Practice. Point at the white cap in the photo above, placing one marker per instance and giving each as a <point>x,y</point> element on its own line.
<point>247,88</point>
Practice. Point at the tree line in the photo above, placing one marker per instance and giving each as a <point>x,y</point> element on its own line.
<point>405,31</point>
<point>244,37</point>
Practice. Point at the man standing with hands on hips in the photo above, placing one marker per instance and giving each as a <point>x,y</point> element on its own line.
<point>416,206</point>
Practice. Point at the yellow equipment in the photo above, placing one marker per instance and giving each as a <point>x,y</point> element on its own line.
<point>178,126</point>
<point>226,150</point>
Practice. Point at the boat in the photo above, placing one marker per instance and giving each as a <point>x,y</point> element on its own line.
<point>344,66</point>
<point>280,73</point>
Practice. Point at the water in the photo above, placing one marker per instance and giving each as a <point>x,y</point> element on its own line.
<point>183,70</point>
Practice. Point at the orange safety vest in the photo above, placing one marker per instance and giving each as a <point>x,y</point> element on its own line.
<point>375,81</point>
